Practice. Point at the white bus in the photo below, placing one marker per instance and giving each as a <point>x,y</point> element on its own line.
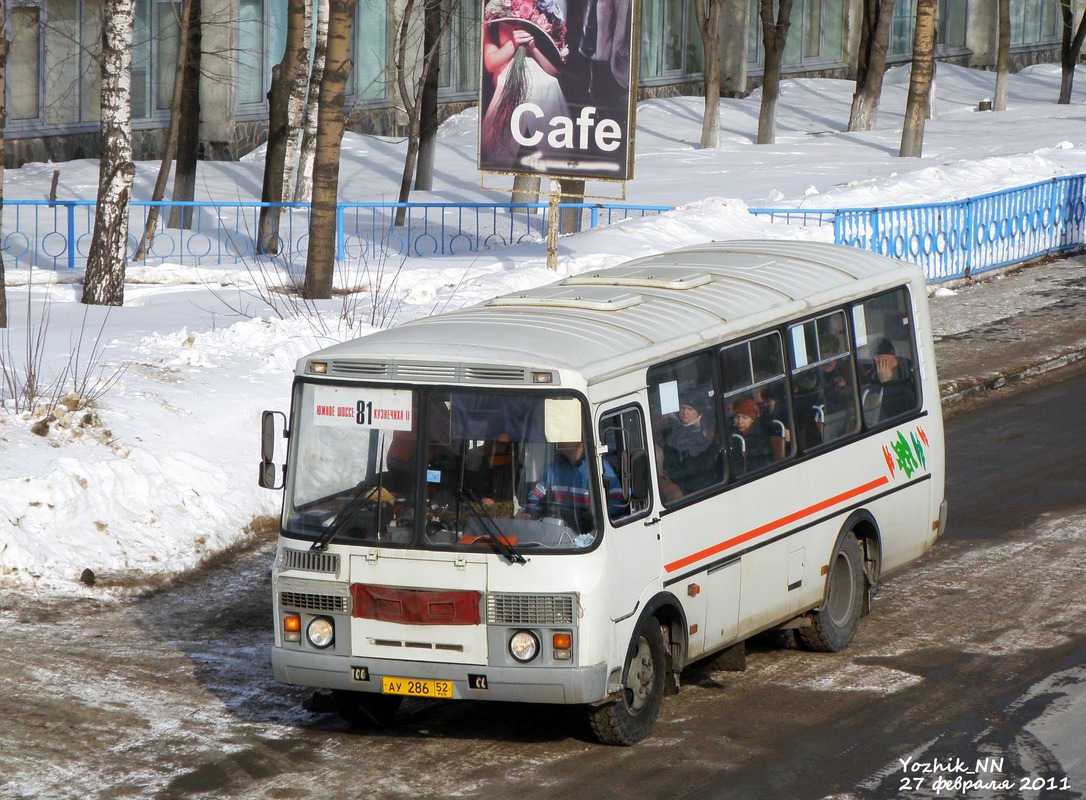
<point>569,494</point>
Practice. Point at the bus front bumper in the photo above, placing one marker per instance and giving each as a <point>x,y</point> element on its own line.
<point>523,684</point>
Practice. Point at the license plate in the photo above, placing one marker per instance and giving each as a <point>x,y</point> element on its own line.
<point>412,687</point>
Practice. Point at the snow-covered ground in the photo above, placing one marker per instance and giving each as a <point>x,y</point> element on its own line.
<point>160,471</point>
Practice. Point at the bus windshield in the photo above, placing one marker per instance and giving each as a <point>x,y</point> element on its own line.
<point>473,469</point>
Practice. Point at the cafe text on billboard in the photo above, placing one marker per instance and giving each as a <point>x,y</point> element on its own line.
<point>555,91</point>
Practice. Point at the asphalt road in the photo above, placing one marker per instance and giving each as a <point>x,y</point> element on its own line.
<point>977,652</point>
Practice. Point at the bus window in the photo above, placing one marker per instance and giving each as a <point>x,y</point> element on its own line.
<point>886,354</point>
<point>685,426</point>
<point>622,433</point>
<point>757,419</point>
<point>823,380</point>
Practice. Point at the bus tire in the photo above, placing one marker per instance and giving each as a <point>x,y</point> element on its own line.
<point>834,623</point>
<point>629,718</point>
<point>367,709</point>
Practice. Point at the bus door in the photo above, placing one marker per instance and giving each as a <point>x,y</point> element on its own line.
<point>633,547</point>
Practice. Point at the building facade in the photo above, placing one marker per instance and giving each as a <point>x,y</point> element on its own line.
<point>53,81</point>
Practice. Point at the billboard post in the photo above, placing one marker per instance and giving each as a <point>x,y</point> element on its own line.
<point>553,223</point>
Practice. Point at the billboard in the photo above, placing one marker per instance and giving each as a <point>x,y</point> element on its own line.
<point>555,94</point>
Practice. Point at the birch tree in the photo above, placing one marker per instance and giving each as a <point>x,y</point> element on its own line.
<point>285,100</point>
<point>918,106</point>
<point>1003,57</point>
<point>1070,46</point>
<point>321,256</point>
<point>296,108</point>
<point>774,38</point>
<point>709,18</point>
<point>103,283</point>
<point>3,122</point>
<point>871,64</point>
<point>303,187</point>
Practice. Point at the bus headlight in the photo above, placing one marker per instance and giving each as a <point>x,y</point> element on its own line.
<point>523,646</point>
<point>320,632</point>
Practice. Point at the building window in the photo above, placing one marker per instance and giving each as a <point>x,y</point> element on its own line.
<point>52,77</point>
<point>670,41</point>
<point>1034,22</point>
<point>168,38</point>
<point>155,39</point>
<point>253,47</point>
<point>950,18</point>
<point>815,35</point>
<point>24,63</point>
<point>370,51</point>
<point>458,56</point>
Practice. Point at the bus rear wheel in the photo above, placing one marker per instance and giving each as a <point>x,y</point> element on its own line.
<point>367,709</point>
<point>629,718</point>
<point>834,624</point>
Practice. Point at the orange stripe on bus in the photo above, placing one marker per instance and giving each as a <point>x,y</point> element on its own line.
<point>777,523</point>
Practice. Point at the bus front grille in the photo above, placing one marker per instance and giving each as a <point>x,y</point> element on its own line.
<point>304,601</point>
<point>529,609</point>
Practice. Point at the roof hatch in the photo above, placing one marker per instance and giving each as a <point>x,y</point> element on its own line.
<point>642,277</point>
<point>587,298</point>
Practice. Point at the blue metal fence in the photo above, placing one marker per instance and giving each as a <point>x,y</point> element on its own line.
<point>963,237</point>
<point>949,240</point>
<point>57,234</point>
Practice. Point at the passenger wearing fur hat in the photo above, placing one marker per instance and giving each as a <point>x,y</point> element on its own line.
<point>692,406</point>
<point>691,459</point>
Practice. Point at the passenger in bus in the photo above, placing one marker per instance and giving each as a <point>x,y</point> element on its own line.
<point>748,446</point>
<point>562,490</point>
<point>836,382</point>
<point>810,407</point>
<point>488,475</point>
<point>838,391</point>
<point>774,418</point>
<point>824,397</point>
<point>893,375</point>
<point>691,455</point>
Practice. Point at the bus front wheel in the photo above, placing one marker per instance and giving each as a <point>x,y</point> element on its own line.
<point>835,622</point>
<point>629,718</point>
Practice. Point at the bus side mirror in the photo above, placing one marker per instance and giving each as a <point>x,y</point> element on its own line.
<point>635,474</point>
<point>271,476</point>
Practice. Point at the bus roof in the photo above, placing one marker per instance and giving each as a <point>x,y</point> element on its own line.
<point>605,322</point>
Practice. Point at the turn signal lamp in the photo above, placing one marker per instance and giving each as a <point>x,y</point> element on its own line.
<point>562,641</point>
<point>292,628</point>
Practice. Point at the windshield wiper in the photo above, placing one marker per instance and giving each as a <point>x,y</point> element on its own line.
<point>363,494</point>
<point>493,534</point>
<point>357,503</point>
